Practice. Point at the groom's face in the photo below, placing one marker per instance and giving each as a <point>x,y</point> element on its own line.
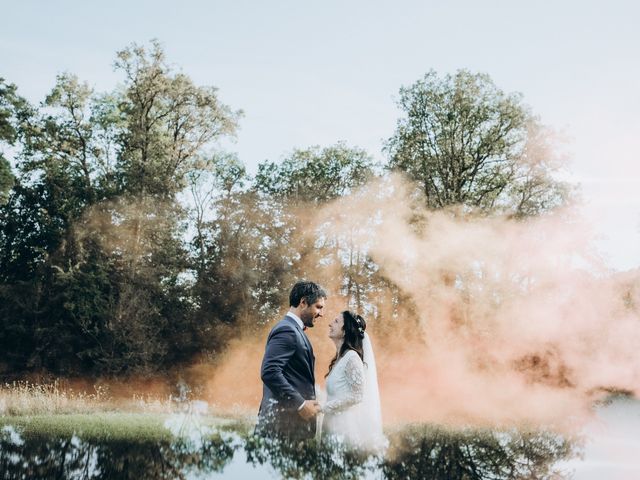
<point>311,312</point>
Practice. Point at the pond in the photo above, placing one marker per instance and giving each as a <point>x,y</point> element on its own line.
<point>32,450</point>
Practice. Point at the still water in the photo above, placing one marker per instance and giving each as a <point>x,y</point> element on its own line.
<point>608,448</point>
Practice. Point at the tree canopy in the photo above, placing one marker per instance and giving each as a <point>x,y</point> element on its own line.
<point>316,174</point>
<point>466,142</point>
<point>131,242</point>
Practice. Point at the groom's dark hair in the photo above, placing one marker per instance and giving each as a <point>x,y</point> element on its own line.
<point>310,291</point>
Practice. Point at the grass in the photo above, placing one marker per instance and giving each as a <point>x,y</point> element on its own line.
<point>95,426</point>
<point>25,398</point>
<point>49,410</point>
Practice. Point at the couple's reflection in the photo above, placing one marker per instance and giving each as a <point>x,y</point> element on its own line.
<point>414,452</point>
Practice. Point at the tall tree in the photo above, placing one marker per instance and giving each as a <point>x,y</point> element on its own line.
<point>93,264</point>
<point>316,174</point>
<point>240,251</point>
<point>13,109</point>
<point>168,121</point>
<point>465,142</point>
<point>304,181</point>
<point>6,179</point>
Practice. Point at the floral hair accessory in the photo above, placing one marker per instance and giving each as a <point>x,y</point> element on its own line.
<point>360,323</point>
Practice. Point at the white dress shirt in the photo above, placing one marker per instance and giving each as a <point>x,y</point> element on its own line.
<point>296,318</point>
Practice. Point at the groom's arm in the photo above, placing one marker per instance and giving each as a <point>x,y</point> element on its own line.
<point>280,348</point>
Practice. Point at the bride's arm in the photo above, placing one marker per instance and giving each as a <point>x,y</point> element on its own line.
<point>354,374</point>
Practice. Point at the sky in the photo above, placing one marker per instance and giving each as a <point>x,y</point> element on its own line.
<point>315,73</point>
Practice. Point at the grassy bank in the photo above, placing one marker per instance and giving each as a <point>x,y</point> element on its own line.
<point>25,398</point>
<point>39,410</point>
<point>44,434</point>
<point>94,426</point>
<point>141,427</point>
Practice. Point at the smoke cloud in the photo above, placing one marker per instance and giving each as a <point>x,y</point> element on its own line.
<point>494,321</point>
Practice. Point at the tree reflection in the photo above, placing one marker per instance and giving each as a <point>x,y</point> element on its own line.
<point>300,459</point>
<point>441,454</point>
<point>424,452</point>
<point>39,456</point>
<point>414,452</point>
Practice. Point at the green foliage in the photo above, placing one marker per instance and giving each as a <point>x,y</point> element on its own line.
<point>108,446</point>
<point>300,183</point>
<point>12,108</point>
<point>92,254</point>
<point>98,426</point>
<point>465,142</point>
<point>167,121</point>
<point>6,180</point>
<point>420,451</point>
<point>139,442</point>
<point>107,267</point>
<point>315,174</point>
<point>240,251</point>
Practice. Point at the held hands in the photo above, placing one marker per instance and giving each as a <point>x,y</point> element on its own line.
<point>309,409</point>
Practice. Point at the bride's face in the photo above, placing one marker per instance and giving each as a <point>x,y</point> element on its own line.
<point>336,327</point>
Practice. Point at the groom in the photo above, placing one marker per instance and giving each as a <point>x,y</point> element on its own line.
<point>288,406</point>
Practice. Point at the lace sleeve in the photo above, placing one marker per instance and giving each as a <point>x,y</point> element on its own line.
<point>354,376</point>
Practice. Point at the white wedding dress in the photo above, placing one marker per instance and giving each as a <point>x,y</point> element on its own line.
<point>352,412</point>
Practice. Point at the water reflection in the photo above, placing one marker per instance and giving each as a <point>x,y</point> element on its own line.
<point>425,452</point>
<point>414,452</point>
<point>40,456</point>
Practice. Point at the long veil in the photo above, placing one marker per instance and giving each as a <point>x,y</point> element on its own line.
<point>371,410</point>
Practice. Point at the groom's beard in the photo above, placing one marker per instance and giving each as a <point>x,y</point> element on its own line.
<point>307,318</point>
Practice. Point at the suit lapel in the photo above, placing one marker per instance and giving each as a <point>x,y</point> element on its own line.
<point>310,356</point>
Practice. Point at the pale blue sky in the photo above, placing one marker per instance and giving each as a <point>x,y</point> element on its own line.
<point>314,73</point>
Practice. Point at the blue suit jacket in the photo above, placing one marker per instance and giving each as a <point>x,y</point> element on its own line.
<point>288,380</point>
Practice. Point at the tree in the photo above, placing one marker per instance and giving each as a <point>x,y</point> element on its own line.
<point>93,264</point>
<point>6,179</point>
<point>218,177</point>
<point>167,122</point>
<point>55,170</point>
<point>240,251</point>
<point>316,175</point>
<point>465,142</point>
<point>304,181</point>
<point>12,109</point>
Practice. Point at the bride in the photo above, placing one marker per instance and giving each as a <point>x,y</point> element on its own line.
<point>352,411</point>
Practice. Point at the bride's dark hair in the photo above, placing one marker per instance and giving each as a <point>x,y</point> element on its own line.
<point>353,327</point>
